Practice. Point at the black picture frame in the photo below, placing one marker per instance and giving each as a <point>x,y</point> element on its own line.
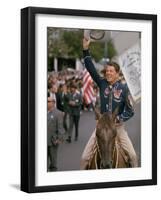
<point>28,98</point>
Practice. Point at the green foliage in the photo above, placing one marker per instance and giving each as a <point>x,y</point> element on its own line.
<point>67,43</point>
<point>111,49</point>
<point>97,50</point>
<point>50,64</point>
<point>73,41</point>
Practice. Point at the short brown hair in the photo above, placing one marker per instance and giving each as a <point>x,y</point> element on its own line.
<point>114,64</point>
<point>73,85</point>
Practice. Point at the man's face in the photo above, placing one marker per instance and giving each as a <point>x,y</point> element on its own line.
<point>51,103</point>
<point>64,88</point>
<point>73,90</point>
<point>111,74</point>
<point>54,89</point>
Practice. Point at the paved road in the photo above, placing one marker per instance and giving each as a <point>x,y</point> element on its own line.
<point>69,154</point>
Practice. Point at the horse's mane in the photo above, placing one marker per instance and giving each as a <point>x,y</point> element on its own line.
<point>106,120</point>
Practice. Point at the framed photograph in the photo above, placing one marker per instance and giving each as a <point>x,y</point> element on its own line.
<point>88,99</point>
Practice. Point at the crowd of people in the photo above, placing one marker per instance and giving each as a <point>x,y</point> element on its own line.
<point>65,96</point>
<point>61,84</point>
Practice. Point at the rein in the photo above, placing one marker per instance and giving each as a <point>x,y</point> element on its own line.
<point>115,149</point>
<point>98,149</point>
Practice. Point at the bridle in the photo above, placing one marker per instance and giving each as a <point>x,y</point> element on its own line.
<point>115,150</point>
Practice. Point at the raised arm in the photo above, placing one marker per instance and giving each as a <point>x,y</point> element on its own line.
<point>88,62</point>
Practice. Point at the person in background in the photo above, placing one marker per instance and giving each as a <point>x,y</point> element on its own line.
<point>55,133</point>
<point>53,93</point>
<point>65,100</point>
<point>75,101</point>
<point>59,98</point>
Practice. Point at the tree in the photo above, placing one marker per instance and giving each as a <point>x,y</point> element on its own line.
<point>73,41</point>
<point>67,43</point>
<point>111,49</point>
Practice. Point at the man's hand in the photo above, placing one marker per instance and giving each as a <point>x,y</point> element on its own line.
<point>72,103</point>
<point>86,43</point>
<point>58,141</point>
<point>117,121</point>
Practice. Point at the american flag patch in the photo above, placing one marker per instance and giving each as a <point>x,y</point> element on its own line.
<point>106,92</point>
<point>117,93</point>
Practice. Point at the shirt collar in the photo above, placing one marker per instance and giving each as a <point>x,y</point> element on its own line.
<point>115,85</point>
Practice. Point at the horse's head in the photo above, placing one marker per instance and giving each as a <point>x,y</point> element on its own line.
<point>105,133</point>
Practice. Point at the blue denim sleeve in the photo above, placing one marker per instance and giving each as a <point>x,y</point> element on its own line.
<point>91,68</point>
<point>128,111</point>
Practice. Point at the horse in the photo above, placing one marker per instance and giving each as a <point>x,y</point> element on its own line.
<point>107,151</point>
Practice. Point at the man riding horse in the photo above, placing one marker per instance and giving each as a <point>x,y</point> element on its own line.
<point>113,94</point>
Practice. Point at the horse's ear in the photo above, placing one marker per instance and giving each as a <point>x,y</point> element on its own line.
<point>115,113</point>
<point>97,113</point>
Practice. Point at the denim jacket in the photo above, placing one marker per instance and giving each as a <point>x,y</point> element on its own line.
<point>111,96</point>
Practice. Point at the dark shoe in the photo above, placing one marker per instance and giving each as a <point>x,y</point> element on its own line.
<point>68,140</point>
<point>54,169</point>
<point>76,139</point>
